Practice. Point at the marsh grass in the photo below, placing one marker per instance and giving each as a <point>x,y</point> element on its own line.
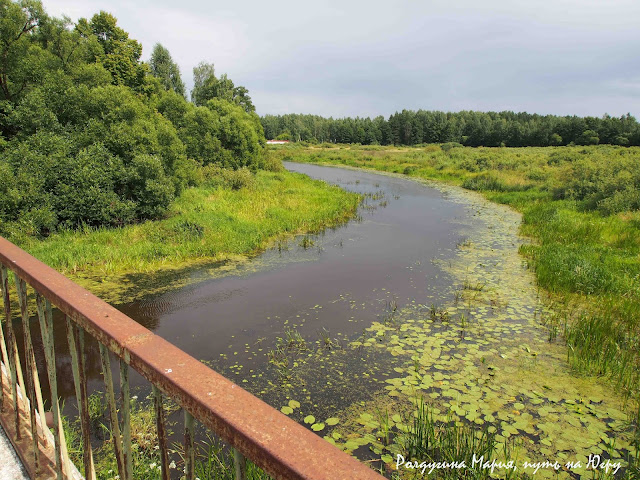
<point>598,345</point>
<point>428,440</point>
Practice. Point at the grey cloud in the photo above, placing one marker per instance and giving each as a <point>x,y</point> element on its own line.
<point>368,58</point>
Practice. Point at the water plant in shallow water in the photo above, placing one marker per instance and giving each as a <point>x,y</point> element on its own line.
<point>326,342</point>
<point>431,441</point>
<point>306,242</point>
<point>391,307</point>
<point>293,340</point>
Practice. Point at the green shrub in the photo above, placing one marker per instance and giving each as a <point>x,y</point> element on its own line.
<point>484,182</point>
<point>446,147</point>
<point>610,186</point>
<point>149,187</point>
<point>216,176</point>
<point>89,190</point>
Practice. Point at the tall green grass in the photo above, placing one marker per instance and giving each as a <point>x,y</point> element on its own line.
<point>436,442</point>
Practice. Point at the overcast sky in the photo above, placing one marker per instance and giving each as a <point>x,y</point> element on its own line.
<point>368,58</point>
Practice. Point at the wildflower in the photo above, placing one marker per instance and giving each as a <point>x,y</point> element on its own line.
<point>172,464</point>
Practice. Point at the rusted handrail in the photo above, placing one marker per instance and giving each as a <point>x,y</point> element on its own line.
<point>273,441</point>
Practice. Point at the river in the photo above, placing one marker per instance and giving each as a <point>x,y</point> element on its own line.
<point>423,295</point>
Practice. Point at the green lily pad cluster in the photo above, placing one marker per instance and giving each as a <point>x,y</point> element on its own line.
<point>496,369</point>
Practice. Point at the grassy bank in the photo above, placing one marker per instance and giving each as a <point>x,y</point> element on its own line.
<point>579,204</point>
<point>204,225</point>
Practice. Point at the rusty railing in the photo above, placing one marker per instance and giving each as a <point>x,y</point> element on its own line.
<point>273,441</point>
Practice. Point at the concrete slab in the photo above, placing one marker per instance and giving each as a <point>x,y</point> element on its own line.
<point>10,466</point>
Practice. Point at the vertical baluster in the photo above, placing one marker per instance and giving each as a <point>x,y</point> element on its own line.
<point>30,402</point>
<point>3,346</point>
<point>46,329</point>
<point>126,418</point>
<point>113,411</point>
<point>240,464</point>
<point>189,466</point>
<point>76,349</point>
<point>14,361</point>
<point>29,353</point>
<point>162,433</point>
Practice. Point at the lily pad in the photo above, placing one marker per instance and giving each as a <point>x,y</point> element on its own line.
<point>317,427</point>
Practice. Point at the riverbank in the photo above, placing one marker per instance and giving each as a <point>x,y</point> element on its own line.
<point>204,226</point>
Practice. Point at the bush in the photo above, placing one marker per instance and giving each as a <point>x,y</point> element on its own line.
<point>610,186</point>
<point>89,190</point>
<point>449,146</point>
<point>270,162</point>
<point>216,176</point>
<point>149,187</point>
<point>484,182</point>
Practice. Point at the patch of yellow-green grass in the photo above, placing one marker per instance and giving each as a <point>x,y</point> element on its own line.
<point>203,226</point>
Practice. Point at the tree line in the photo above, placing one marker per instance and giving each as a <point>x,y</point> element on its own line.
<point>490,129</point>
<point>91,135</point>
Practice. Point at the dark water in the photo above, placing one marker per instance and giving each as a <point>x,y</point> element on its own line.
<point>349,272</point>
<point>347,278</point>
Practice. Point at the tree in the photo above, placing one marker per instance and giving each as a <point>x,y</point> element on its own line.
<point>163,67</point>
<point>555,139</point>
<point>206,86</point>
<point>588,137</point>
<point>21,60</point>
<point>111,46</point>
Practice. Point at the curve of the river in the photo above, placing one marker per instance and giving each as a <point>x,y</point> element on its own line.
<point>424,295</point>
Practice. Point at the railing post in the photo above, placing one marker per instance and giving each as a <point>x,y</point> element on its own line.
<point>189,465</point>
<point>241,465</point>
<point>126,419</point>
<point>13,358</point>
<point>21,287</point>
<point>162,432</point>
<point>76,349</point>
<point>4,287</point>
<point>46,330</point>
<point>113,410</point>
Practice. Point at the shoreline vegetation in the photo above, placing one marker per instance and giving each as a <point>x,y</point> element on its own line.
<point>206,225</point>
<point>580,205</point>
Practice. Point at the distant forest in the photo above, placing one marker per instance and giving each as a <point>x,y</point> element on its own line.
<point>474,129</point>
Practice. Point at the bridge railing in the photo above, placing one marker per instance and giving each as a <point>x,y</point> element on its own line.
<point>255,430</point>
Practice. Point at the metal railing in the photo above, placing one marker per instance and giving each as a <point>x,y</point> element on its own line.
<point>273,441</point>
